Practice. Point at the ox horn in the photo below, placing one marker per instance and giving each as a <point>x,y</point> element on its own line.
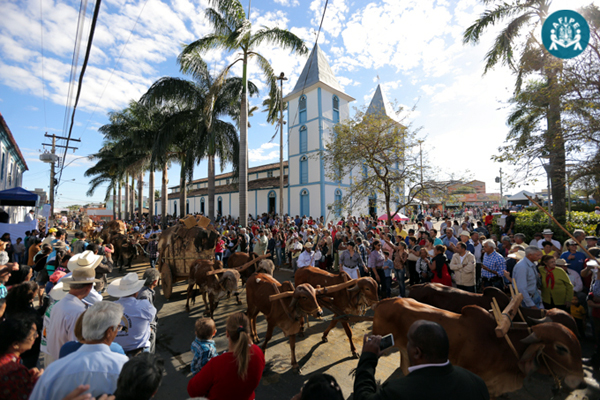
<point>537,321</point>
<point>532,338</point>
<point>278,296</point>
<point>354,289</point>
<point>336,288</point>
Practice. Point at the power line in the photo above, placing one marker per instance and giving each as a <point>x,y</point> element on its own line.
<point>80,84</point>
<point>115,65</point>
<point>43,75</point>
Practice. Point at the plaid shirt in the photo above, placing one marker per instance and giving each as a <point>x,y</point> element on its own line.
<point>495,262</point>
<point>203,351</point>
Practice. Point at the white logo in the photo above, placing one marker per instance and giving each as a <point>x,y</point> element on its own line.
<point>566,33</point>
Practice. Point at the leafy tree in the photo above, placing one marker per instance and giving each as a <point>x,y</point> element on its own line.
<point>517,47</point>
<point>232,31</point>
<point>383,158</point>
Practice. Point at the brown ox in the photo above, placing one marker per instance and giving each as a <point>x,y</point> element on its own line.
<point>215,286</point>
<point>453,299</point>
<point>551,349</point>
<point>240,258</point>
<point>286,312</point>
<point>351,301</point>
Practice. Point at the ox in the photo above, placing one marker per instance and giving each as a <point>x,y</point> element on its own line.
<point>550,349</point>
<point>215,286</point>
<point>283,306</point>
<point>240,258</point>
<point>126,249</point>
<point>453,299</point>
<point>347,302</point>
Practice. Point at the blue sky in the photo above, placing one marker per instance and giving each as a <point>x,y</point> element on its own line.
<point>413,48</point>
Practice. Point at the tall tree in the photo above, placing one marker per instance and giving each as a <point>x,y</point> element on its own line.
<point>232,31</point>
<point>517,47</point>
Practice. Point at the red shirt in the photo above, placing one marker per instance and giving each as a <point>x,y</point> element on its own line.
<point>16,381</point>
<point>219,380</point>
<point>488,219</point>
<point>219,246</point>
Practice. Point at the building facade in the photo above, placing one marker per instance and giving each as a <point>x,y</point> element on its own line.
<point>314,106</point>
<point>12,162</point>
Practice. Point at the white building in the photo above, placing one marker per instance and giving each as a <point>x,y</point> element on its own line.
<point>315,105</point>
<point>12,162</point>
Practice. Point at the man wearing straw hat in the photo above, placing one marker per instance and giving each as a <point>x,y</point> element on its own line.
<point>308,256</point>
<point>61,326</point>
<point>138,315</point>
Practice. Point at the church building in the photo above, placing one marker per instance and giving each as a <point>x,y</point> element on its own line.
<point>315,105</point>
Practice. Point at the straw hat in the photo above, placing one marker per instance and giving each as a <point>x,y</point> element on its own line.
<point>561,262</point>
<point>465,233</point>
<point>308,245</point>
<point>80,275</point>
<point>126,286</point>
<point>517,255</point>
<point>547,232</point>
<point>84,260</point>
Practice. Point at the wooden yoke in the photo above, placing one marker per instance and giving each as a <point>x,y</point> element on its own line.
<point>504,318</point>
<point>240,268</point>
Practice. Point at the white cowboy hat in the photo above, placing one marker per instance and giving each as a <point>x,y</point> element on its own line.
<point>308,245</point>
<point>59,291</point>
<point>547,232</point>
<point>81,275</point>
<point>83,260</point>
<point>517,255</point>
<point>126,286</point>
<point>465,233</point>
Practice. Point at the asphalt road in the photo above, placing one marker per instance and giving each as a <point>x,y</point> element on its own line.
<point>176,333</point>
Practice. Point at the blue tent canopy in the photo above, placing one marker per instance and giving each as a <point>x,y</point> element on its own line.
<point>17,196</point>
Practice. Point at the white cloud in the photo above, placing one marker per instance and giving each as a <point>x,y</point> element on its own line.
<point>288,3</point>
<point>260,154</point>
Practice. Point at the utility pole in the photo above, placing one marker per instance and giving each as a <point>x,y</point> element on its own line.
<point>421,157</point>
<point>53,182</point>
<point>501,194</point>
<point>281,78</point>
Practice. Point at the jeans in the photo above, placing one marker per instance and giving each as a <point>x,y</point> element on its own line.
<point>387,286</point>
<point>219,256</point>
<point>400,277</point>
<point>153,262</point>
<point>279,252</point>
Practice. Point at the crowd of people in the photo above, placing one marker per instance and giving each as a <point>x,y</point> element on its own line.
<point>74,336</point>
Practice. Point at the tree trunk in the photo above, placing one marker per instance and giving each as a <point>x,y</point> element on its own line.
<point>211,187</point>
<point>141,196</point>
<point>120,201</point>
<point>164,197</point>
<point>151,197</point>
<point>182,190</point>
<point>556,144</point>
<point>243,178</point>
<point>132,197</point>
<point>114,202</point>
<point>127,197</point>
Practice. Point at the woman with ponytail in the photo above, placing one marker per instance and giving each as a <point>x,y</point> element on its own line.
<point>233,375</point>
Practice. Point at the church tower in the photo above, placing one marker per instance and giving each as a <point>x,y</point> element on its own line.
<point>315,105</point>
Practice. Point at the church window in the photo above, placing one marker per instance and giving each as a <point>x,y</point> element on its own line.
<point>304,170</point>
<point>336,110</point>
<point>338,203</point>
<point>303,139</point>
<point>302,108</point>
<point>304,203</point>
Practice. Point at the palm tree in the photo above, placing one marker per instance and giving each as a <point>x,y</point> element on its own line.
<point>533,58</point>
<point>207,101</point>
<point>231,31</point>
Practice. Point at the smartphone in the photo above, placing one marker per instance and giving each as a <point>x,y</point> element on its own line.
<point>386,342</point>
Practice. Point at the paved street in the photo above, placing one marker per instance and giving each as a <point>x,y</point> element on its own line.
<point>176,332</point>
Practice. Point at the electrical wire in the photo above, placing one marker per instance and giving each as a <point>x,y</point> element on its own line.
<point>115,65</point>
<point>80,84</point>
<point>43,75</point>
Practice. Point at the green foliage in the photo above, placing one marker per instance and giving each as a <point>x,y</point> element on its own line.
<point>531,222</point>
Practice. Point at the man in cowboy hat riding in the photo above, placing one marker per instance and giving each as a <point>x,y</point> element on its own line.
<point>138,315</point>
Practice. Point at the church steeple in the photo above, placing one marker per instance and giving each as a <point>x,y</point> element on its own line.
<point>380,105</point>
<point>317,71</point>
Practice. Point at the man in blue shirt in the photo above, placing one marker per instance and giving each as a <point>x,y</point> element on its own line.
<point>526,275</point>
<point>93,364</point>
<point>573,257</point>
<point>493,266</point>
<point>138,315</point>
<point>449,241</point>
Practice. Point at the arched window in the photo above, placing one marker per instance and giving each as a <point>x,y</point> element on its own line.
<point>302,109</point>
<point>336,110</point>
<point>187,206</point>
<point>220,206</point>
<point>272,206</point>
<point>175,208</point>
<point>338,203</point>
<point>303,170</point>
<point>304,203</point>
<point>365,171</point>
<point>303,139</point>
<point>202,206</point>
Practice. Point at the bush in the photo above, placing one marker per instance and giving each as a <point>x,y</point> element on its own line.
<point>530,222</point>
<point>585,207</point>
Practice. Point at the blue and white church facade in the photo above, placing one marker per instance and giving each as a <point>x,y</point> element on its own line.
<point>315,105</point>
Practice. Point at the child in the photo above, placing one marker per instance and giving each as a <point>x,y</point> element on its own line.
<point>152,250</point>
<point>388,267</point>
<point>578,312</point>
<point>422,266</point>
<point>203,346</point>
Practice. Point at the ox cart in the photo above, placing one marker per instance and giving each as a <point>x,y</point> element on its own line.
<point>179,246</point>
